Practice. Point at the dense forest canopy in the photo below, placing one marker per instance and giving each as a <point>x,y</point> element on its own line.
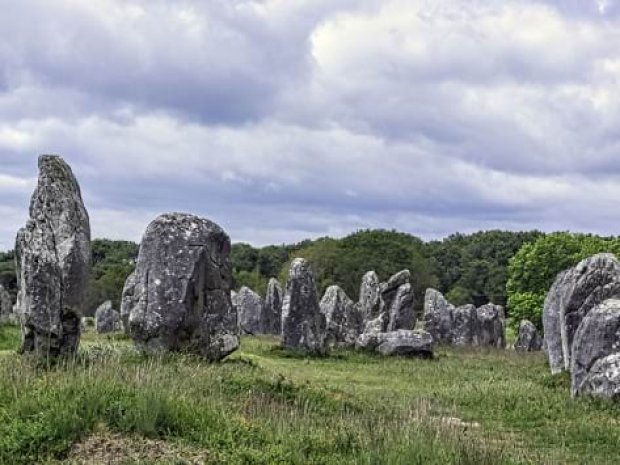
<point>509,268</point>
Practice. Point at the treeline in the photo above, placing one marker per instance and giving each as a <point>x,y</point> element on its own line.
<point>514,269</point>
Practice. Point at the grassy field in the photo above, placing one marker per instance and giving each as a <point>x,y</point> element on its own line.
<point>266,406</point>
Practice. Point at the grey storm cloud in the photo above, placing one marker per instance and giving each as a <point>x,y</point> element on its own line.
<point>285,120</point>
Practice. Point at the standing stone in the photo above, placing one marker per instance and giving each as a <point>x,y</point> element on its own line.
<point>576,292</point>
<point>303,324</point>
<point>528,339</point>
<point>181,293</point>
<point>401,313</point>
<point>490,326</point>
<point>370,296</point>
<point>438,317</point>
<point>342,316</point>
<point>551,321</point>
<point>6,306</point>
<point>397,303</point>
<point>107,319</point>
<point>249,306</point>
<point>127,300</point>
<point>464,325</point>
<point>271,319</point>
<point>53,256</point>
<point>597,337</point>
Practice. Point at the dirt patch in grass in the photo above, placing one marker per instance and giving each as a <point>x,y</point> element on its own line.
<point>106,448</point>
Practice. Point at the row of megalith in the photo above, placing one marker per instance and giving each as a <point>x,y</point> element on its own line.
<point>180,298</point>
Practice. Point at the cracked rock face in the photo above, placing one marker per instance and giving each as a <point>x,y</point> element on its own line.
<point>179,297</point>
<point>107,320</point>
<point>598,337</point>
<point>464,320</point>
<point>342,316</point>
<point>303,324</point>
<point>53,258</point>
<point>438,317</point>
<point>249,307</point>
<point>603,379</point>
<point>574,293</point>
<point>528,339</point>
<point>271,318</point>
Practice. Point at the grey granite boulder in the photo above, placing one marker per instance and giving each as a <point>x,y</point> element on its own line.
<point>438,317</point>
<point>528,339</point>
<point>53,258</point>
<point>107,320</point>
<point>574,293</point>
<point>464,325</point>
<point>271,318</point>
<point>370,297</point>
<point>181,289</point>
<point>603,379</point>
<point>406,343</point>
<point>490,327</point>
<point>597,337</point>
<point>342,316</point>
<point>6,306</point>
<point>249,306</point>
<point>303,324</point>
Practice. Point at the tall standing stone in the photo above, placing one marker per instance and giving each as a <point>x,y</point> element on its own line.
<point>53,257</point>
<point>370,296</point>
<point>464,321</point>
<point>438,317</point>
<point>574,293</point>
<point>342,316</point>
<point>181,289</point>
<point>303,324</point>
<point>249,307</point>
<point>397,296</point>
<point>127,300</point>
<point>271,318</point>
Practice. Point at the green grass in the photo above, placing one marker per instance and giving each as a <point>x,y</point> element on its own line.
<point>266,406</point>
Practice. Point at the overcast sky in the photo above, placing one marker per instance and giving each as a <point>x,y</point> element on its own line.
<point>282,120</point>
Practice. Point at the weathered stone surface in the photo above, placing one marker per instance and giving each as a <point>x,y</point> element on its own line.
<point>87,323</point>
<point>127,300</point>
<point>603,379</point>
<point>551,321</point>
<point>407,343</point>
<point>303,324</point>
<point>597,337</point>
<point>53,257</point>
<point>575,292</point>
<point>342,316</point>
<point>438,317</point>
<point>107,319</point>
<point>370,297</point>
<point>490,326</point>
<point>6,306</point>
<point>181,289</point>
<point>528,339</point>
<point>464,321</point>
<point>401,313</point>
<point>271,318</point>
<point>249,307</point>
